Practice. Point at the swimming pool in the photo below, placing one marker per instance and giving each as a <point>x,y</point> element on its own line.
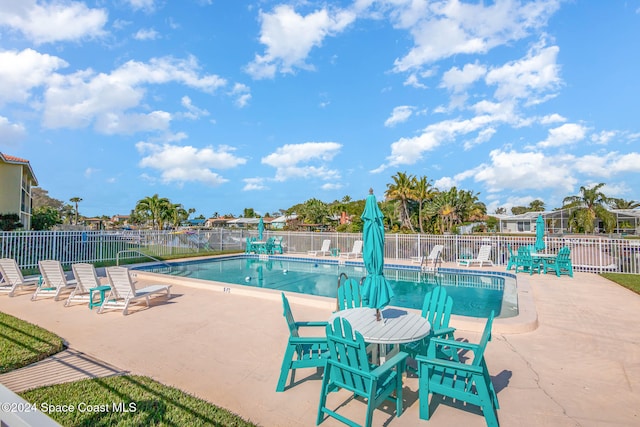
<point>474,294</point>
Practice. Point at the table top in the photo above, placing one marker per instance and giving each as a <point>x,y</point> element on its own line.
<point>101,288</point>
<point>396,327</point>
<point>541,255</point>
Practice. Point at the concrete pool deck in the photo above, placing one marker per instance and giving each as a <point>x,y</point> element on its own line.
<point>580,366</point>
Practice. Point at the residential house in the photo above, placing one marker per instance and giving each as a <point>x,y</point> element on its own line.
<point>16,180</point>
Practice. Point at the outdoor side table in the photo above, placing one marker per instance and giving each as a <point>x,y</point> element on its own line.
<point>335,252</point>
<point>102,289</point>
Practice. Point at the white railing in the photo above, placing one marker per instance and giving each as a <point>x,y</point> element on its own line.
<point>591,254</point>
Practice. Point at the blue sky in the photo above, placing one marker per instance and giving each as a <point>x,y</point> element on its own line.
<point>225,105</point>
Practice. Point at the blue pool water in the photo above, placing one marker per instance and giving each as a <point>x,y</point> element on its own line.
<point>474,295</point>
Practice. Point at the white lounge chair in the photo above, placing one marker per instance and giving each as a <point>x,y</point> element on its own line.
<point>324,249</point>
<point>54,280</point>
<point>431,260</point>
<point>86,279</point>
<point>356,251</point>
<point>482,258</point>
<point>11,277</point>
<point>123,291</point>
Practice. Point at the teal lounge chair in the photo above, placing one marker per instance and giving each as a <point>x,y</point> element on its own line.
<point>469,383</point>
<point>301,352</point>
<point>348,368</point>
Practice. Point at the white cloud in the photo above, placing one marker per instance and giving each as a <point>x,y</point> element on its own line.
<point>289,38</point>
<point>552,119</point>
<point>11,133</point>
<point>182,164</point>
<point>408,151</point>
<point>526,170</point>
<point>331,186</point>
<point>242,95</point>
<point>605,165</point>
<point>566,134</point>
<point>146,34</point>
<point>443,29</point>
<point>84,97</point>
<point>528,78</point>
<point>146,5</point>
<point>53,21</point>
<point>193,112</point>
<point>399,114</point>
<point>253,184</point>
<point>457,80</point>
<point>21,72</point>
<point>304,160</point>
<point>445,183</point>
<point>604,136</point>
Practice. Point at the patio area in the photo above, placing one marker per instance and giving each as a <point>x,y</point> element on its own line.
<point>580,366</point>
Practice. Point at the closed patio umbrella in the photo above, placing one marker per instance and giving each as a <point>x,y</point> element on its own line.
<point>539,246</point>
<point>376,291</point>
<point>260,229</point>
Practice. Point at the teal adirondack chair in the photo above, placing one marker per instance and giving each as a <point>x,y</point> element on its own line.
<point>469,383</point>
<point>513,258</point>
<point>349,293</point>
<point>561,264</point>
<point>301,352</point>
<point>277,245</point>
<point>436,309</point>
<point>526,262</point>
<point>348,368</point>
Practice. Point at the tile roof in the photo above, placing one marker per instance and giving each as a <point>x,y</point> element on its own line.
<point>13,158</point>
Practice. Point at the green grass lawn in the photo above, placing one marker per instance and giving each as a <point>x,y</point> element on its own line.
<point>630,281</point>
<point>22,343</point>
<point>127,401</point>
<point>113,401</point>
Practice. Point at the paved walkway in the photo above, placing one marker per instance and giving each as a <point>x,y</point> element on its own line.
<point>66,366</point>
<point>579,367</point>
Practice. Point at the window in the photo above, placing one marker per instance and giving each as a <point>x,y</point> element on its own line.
<point>524,226</point>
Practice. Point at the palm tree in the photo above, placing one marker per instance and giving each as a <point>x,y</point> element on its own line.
<point>536,206</point>
<point>76,200</point>
<point>176,214</point>
<point>153,208</point>
<point>589,205</point>
<point>401,190</point>
<point>624,204</point>
<point>422,192</point>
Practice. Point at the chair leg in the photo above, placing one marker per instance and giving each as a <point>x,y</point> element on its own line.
<point>324,390</point>
<point>286,367</point>
<point>486,403</point>
<point>423,391</point>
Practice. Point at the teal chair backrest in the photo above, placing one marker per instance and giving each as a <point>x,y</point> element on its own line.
<point>348,356</point>
<point>564,254</point>
<point>484,340</point>
<point>349,295</point>
<point>437,308</point>
<point>524,254</point>
<point>291,323</point>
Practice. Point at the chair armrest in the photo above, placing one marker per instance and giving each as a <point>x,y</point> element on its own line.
<point>312,323</point>
<point>449,364</point>
<point>453,343</point>
<point>390,364</point>
<point>443,331</point>
<point>308,340</point>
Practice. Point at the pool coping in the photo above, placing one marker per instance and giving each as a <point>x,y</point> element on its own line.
<point>525,321</point>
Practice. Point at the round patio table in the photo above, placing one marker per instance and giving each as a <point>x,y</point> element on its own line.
<point>396,327</point>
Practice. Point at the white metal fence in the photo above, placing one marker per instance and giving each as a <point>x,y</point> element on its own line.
<point>592,254</point>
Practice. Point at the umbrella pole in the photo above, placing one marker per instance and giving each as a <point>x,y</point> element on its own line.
<point>378,316</point>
